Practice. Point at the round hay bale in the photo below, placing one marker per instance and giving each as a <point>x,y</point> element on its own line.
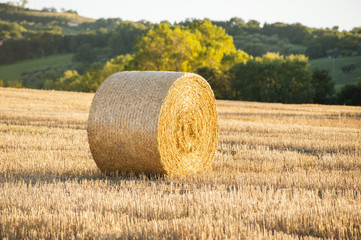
<point>153,122</point>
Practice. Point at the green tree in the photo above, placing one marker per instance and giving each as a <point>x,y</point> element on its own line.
<point>234,26</point>
<point>323,85</point>
<point>350,94</point>
<point>66,82</point>
<point>258,44</point>
<point>178,48</point>
<point>86,53</point>
<point>10,30</point>
<point>348,68</point>
<point>294,33</point>
<point>273,78</point>
<point>124,36</point>
<point>253,26</point>
<point>93,77</point>
<point>321,42</point>
<point>215,43</point>
<point>350,44</point>
<point>166,48</point>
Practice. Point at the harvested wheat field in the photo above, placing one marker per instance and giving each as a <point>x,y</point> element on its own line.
<point>280,172</point>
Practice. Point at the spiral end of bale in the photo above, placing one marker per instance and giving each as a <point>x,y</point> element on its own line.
<point>153,122</point>
<point>188,127</point>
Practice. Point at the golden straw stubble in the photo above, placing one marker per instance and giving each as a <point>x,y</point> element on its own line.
<point>153,122</point>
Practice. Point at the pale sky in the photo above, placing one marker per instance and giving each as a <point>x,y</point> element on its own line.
<point>313,13</point>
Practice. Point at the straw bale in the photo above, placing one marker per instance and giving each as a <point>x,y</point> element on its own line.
<point>153,122</point>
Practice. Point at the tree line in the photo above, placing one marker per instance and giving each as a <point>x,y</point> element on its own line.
<point>19,26</point>
<point>293,38</point>
<point>272,65</point>
<point>207,49</point>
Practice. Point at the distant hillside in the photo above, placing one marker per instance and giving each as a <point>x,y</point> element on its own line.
<point>334,66</point>
<point>30,34</point>
<point>67,46</point>
<point>19,14</point>
<point>13,72</point>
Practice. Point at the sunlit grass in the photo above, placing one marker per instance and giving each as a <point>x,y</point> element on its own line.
<point>334,67</point>
<point>13,71</point>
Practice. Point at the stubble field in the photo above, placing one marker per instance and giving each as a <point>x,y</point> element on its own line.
<point>281,171</point>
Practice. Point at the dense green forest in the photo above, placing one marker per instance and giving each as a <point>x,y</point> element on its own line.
<point>241,60</point>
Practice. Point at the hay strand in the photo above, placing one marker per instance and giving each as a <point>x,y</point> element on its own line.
<point>153,122</point>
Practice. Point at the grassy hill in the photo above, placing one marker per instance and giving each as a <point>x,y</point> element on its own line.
<point>334,67</point>
<point>13,71</point>
<point>18,14</point>
<point>35,20</point>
